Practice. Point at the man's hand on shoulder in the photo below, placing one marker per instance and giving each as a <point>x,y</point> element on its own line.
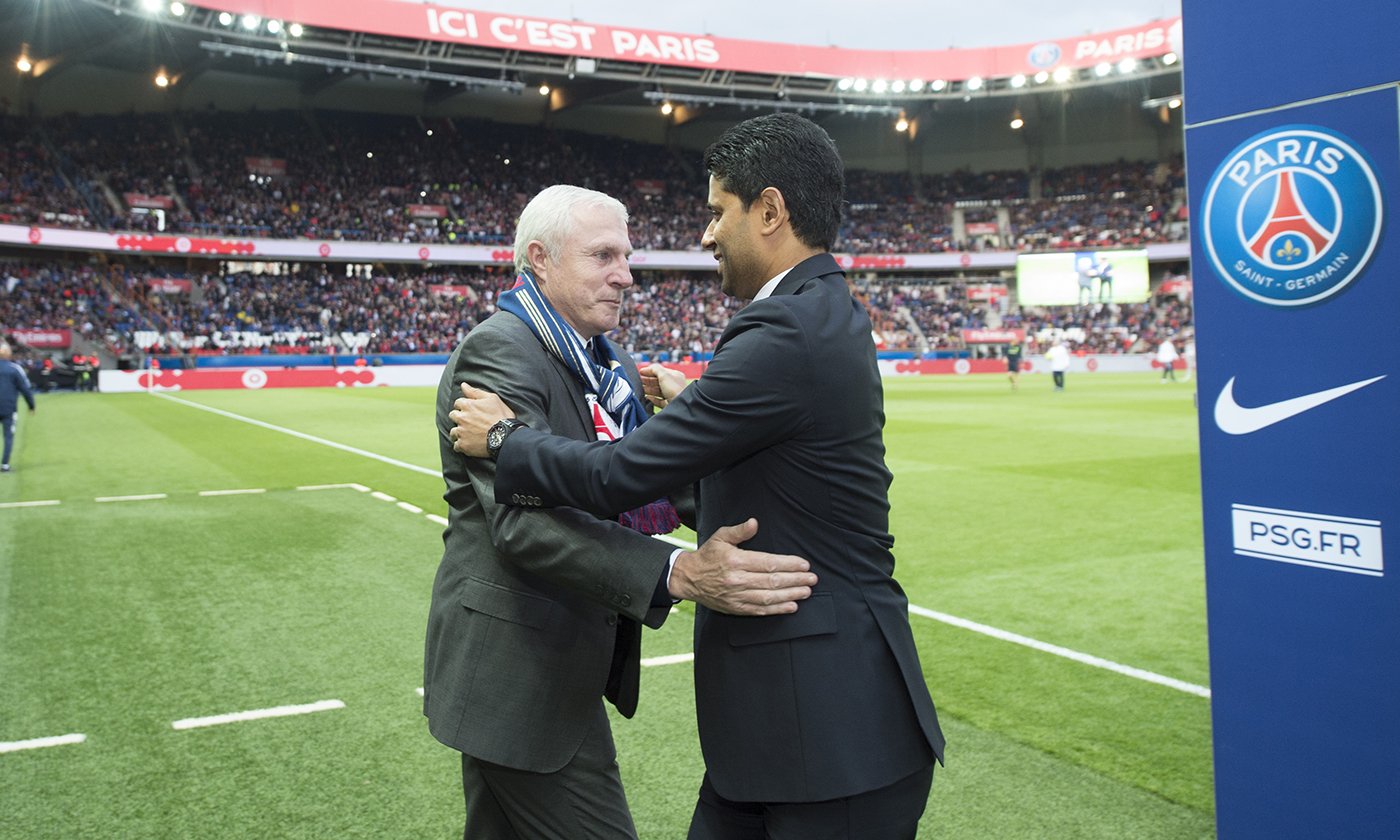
<point>661,384</point>
<point>474,413</point>
<point>729,579</point>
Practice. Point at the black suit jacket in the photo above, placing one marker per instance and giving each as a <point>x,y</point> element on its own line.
<point>785,425</point>
<point>535,616</point>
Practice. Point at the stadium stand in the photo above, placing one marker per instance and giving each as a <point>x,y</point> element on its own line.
<point>342,176</point>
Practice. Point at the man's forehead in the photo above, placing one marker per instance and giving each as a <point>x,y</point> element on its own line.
<point>718,194</point>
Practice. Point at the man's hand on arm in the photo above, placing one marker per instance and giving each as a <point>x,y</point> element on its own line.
<point>729,579</point>
<point>474,414</point>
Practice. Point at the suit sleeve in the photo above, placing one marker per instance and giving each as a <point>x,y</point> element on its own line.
<point>750,396</point>
<point>600,559</point>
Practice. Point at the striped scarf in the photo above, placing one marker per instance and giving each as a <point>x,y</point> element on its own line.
<point>609,385</point>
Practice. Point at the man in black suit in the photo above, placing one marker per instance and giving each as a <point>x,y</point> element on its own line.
<point>536,617</point>
<point>815,723</point>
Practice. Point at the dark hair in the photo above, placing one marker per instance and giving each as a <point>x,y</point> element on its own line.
<point>796,156</point>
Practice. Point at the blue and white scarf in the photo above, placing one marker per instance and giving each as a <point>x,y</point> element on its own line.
<point>608,385</point>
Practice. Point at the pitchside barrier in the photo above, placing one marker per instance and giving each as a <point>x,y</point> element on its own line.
<point>351,376</point>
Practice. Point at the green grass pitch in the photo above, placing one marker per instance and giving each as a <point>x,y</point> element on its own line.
<point>1068,518</point>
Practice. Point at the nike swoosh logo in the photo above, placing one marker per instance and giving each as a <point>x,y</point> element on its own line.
<point>1235,419</point>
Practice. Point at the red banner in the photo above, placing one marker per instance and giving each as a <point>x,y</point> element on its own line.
<point>985,336</point>
<point>169,285</point>
<point>989,292</point>
<point>1179,286</point>
<point>445,290</point>
<point>982,229</point>
<point>44,339</point>
<point>265,166</point>
<point>151,202</point>
<point>650,186</point>
<point>428,211</point>
<point>509,31</point>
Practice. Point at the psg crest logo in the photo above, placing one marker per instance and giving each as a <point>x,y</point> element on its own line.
<point>1292,216</point>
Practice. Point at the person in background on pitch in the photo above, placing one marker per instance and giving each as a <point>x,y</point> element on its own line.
<point>1166,357</point>
<point>1057,357</point>
<point>14,383</point>
<point>1013,361</point>
<point>817,723</point>
<point>536,616</point>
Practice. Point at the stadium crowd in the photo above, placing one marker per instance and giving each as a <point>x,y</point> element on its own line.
<point>134,308</point>
<point>342,176</point>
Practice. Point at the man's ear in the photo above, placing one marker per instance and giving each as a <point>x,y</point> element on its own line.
<point>538,258</point>
<point>773,210</point>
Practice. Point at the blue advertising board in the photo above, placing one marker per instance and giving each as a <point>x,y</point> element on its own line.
<point>1296,263</point>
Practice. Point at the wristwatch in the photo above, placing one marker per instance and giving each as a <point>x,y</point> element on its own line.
<point>497,434</point>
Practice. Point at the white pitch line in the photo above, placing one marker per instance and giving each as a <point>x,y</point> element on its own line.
<point>303,435</point>
<point>258,714</point>
<point>248,492</point>
<point>40,503</point>
<point>1014,638</point>
<point>673,659</point>
<point>330,487</point>
<point>441,520</point>
<point>410,508</point>
<point>40,743</point>
<point>383,497</point>
<point>141,498</point>
<point>1067,653</point>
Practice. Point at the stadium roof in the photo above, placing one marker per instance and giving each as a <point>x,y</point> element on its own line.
<point>451,48</point>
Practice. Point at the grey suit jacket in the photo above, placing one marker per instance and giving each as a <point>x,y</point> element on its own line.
<point>785,425</point>
<point>535,614</point>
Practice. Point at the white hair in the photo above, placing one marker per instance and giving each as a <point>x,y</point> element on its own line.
<point>550,214</point>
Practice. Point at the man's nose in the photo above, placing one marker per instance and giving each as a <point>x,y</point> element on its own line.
<point>623,276</point>
<point>707,239</point>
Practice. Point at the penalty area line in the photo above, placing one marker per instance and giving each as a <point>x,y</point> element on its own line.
<point>1067,653</point>
<point>40,743</point>
<point>258,714</point>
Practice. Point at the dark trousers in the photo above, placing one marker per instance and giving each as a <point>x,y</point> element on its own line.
<point>1059,376</point>
<point>887,813</point>
<point>582,801</point>
<point>7,422</point>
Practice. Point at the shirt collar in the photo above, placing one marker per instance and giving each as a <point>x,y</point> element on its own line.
<point>767,288</point>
